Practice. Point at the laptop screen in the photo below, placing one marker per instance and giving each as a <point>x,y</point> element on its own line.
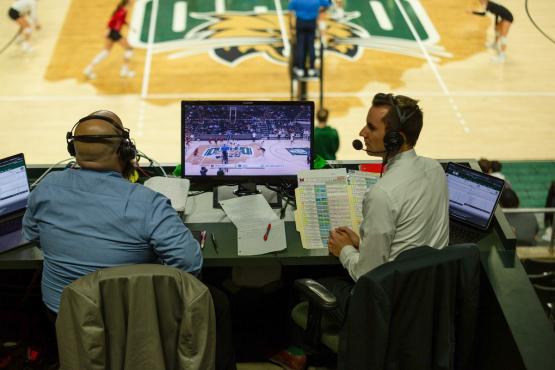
<point>14,186</point>
<point>473,195</point>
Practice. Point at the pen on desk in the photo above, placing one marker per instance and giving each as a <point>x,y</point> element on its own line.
<point>202,238</point>
<point>214,242</point>
<point>267,231</point>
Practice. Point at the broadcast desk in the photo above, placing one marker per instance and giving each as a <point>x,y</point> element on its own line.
<point>514,330</point>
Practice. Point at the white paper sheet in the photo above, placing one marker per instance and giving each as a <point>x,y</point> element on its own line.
<point>251,215</point>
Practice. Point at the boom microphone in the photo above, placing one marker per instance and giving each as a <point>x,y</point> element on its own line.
<point>357,144</point>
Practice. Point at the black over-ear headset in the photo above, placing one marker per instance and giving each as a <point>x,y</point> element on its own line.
<point>393,140</point>
<point>126,150</point>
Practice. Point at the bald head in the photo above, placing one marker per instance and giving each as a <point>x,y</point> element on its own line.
<point>102,154</point>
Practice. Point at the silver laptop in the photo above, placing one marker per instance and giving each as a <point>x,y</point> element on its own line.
<point>473,196</point>
<point>14,192</point>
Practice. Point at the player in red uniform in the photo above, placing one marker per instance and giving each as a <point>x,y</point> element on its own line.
<point>116,23</point>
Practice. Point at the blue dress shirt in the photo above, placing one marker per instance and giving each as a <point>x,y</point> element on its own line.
<point>87,220</point>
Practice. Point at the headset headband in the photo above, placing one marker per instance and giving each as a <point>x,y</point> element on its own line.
<point>124,133</point>
<point>391,100</point>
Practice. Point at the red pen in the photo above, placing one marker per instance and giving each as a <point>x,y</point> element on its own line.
<point>267,232</point>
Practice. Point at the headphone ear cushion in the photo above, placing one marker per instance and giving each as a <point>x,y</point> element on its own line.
<point>70,144</point>
<point>393,141</point>
<point>127,150</point>
<point>71,148</point>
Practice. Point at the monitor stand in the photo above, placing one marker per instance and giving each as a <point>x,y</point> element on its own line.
<point>223,192</point>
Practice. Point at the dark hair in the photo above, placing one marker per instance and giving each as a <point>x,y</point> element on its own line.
<point>496,166</point>
<point>509,199</point>
<point>322,115</point>
<point>485,165</point>
<point>406,107</point>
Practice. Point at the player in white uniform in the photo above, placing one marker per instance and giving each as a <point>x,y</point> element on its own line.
<point>24,13</point>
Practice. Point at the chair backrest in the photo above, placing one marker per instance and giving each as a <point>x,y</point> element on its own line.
<point>417,312</point>
<point>136,317</point>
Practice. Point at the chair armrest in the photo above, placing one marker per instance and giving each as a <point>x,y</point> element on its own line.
<point>316,294</point>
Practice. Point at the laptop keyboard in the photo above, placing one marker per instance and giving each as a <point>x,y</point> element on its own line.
<point>9,226</point>
<point>459,233</point>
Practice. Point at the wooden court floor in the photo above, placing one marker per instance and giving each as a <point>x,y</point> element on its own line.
<point>473,107</point>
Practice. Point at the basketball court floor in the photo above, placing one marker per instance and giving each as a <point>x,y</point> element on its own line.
<point>430,50</point>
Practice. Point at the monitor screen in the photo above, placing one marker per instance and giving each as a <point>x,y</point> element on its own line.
<point>238,141</point>
<point>14,186</point>
<point>473,195</point>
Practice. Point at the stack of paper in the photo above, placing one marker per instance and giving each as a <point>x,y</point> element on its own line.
<point>259,229</point>
<point>327,199</point>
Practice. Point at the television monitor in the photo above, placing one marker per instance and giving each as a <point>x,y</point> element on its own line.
<point>239,142</point>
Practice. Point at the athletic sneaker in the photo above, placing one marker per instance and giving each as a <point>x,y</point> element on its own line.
<point>312,72</point>
<point>499,58</point>
<point>89,74</point>
<point>126,73</point>
<point>298,72</point>
<point>26,47</point>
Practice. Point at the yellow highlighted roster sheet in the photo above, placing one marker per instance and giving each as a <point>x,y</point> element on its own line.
<point>327,199</point>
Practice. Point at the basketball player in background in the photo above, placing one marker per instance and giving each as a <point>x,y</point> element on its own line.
<point>115,24</point>
<point>503,21</point>
<point>24,13</point>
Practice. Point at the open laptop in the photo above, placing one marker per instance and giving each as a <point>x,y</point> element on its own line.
<point>14,192</point>
<point>473,196</point>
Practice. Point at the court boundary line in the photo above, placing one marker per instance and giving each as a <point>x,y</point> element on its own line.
<point>433,67</point>
<point>150,43</point>
<point>259,95</point>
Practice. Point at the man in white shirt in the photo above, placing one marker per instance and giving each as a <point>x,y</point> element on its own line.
<point>406,208</point>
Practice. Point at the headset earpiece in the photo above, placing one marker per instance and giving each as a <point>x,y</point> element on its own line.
<point>393,140</point>
<point>70,144</point>
<point>127,150</point>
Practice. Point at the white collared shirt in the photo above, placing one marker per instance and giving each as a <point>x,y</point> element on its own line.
<point>407,208</point>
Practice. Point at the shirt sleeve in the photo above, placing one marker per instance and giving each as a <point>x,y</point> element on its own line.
<point>172,241</point>
<point>30,224</point>
<point>377,232</point>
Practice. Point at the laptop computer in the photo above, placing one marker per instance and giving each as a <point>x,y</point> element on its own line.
<point>14,192</point>
<point>473,196</point>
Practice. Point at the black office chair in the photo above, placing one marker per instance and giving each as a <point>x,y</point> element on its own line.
<point>536,266</point>
<point>545,279</point>
<point>417,312</point>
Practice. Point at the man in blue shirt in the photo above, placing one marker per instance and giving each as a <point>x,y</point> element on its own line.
<point>94,218</point>
<point>306,14</point>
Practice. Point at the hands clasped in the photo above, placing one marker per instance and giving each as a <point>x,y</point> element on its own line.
<point>341,237</point>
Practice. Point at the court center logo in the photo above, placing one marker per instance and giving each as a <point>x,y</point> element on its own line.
<point>246,29</point>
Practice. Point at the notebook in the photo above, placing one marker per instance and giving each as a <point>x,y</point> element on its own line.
<point>473,196</point>
<point>14,192</point>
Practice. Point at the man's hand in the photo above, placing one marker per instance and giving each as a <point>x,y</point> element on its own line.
<point>338,240</point>
<point>355,240</point>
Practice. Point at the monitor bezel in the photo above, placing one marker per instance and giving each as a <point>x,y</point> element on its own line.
<point>212,180</point>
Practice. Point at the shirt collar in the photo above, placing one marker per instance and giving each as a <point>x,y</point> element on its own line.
<point>399,157</point>
<point>105,173</point>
